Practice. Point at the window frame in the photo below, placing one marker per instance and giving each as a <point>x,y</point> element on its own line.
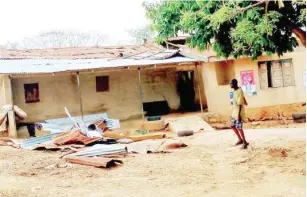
<point>29,88</point>
<point>101,87</point>
<point>270,74</point>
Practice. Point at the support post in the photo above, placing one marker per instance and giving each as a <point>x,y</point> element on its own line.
<point>80,96</point>
<point>141,92</point>
<point>12,124</point>
<point>8,100</point>
<point>199,92</point>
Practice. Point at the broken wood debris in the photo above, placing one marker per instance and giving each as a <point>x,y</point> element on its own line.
<point>94,161</point>
<point>18,112</point>
<point>54,147</point>
<point>80,148</point>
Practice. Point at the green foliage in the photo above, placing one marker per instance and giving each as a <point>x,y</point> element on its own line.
<point>140,34</point>
<point>231,28</point>
<point>222,15</point>
<point>302,16</point>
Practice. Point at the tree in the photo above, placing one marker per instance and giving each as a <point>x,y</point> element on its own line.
<point>59,39</point>
<point>232,28</point>
<point>140,34</point>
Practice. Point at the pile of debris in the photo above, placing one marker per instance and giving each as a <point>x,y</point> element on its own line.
<point>97,140</point>
<point>18,112</point>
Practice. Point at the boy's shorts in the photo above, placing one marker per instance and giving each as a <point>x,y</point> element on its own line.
<point>237,124</point>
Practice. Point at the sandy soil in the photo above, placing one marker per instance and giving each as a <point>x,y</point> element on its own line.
<point>274,165</point>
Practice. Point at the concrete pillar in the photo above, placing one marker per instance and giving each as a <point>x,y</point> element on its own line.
<point>7,88</point>
<point>12,124</point>
<point>8,100</point>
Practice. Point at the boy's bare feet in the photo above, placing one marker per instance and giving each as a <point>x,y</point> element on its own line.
<point>245,145</point>
<point>239,143</point>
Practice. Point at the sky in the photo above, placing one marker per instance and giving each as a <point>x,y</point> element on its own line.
<point>26,18</point>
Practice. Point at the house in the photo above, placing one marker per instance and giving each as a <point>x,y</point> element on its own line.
<point>274,86</point>
<point>123,81</point>
<point>134,81</point>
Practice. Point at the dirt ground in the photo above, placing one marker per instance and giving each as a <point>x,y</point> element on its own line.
<point>274,165</point>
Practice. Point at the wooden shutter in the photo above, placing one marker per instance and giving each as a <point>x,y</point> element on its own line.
<point>288,73</point>
<point>276,74</point>
<point>263,75</point>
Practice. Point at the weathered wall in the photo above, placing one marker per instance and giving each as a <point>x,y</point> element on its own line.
<point>218,95</point>
<point>122,101</point>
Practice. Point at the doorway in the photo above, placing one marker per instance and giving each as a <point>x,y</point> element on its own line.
<point>185,89</point>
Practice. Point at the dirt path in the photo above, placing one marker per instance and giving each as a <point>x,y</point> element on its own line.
<point>274,165</point>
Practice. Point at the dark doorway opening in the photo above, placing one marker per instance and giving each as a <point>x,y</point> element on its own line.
<point>185,89</point>
<point>156,108</point>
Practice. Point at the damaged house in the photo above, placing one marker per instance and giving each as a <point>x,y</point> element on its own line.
<point>123,81</point>
<point>146,80</point>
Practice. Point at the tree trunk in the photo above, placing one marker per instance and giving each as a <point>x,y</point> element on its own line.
<point>301,35</point>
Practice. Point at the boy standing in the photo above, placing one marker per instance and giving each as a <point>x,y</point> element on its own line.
<point>238,113</point>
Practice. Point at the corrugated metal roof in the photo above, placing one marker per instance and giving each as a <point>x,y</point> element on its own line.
<point>79,52</point>
<point>32,66</point>
<point>102,149</point>
<point>155,55</point>
<point>32,142</point>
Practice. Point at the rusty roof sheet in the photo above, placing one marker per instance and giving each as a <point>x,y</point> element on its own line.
<point>43,61</point>
<point>79,52</point>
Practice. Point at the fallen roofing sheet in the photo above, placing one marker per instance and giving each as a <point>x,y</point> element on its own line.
<point>94,161</point>
<point>53,147</point>
<point>102,149</point>
<point>67,124</point>
<point>52,128</point>
<point>73,137</point>
<point>31,143</point>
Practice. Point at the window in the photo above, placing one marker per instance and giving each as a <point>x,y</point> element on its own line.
<point>31,93</point>
<point>102,83</point>
<point>225,72</point>
<point>274,74</point>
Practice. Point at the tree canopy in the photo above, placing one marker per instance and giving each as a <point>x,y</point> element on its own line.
<point>141,34</point>
<point>232,28</point>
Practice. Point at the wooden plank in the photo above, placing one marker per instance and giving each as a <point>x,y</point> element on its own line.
<point>199,86</point>
<point>137,138</point>
<point>263,76</point>
<point>276,74</point>
<point>121,134</point>
<point>94,161</point>
<point>288,73</point>
<point>4,112</point>
<point>20,113</point>
<point>141,92</point>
